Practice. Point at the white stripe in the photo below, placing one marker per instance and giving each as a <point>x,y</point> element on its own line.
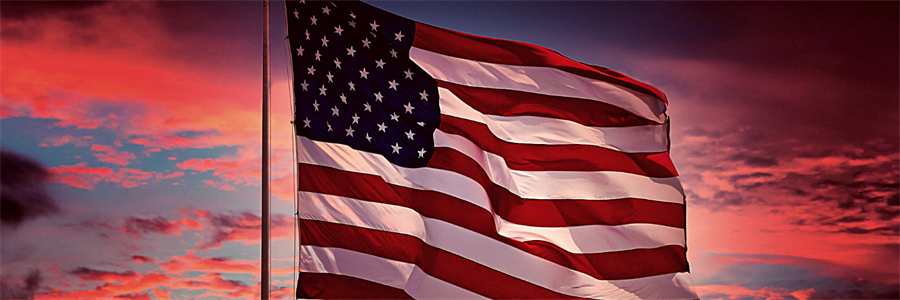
<point>577,239</point>
<point>540,80</point>
<point>597,185</point>
<point>594,185</point>
<point>360,265</point>
<point>595,238</point>
<point>397,274</point>
<point>494,254</point>
<point>551,131</point>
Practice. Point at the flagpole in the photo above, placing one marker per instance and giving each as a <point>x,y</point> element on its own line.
<point>264,259</point>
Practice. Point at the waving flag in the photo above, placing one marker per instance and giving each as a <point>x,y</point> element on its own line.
<point>434,163</point>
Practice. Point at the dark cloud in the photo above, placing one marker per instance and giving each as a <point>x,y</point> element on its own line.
<point>15,10</point>
<point>100,275</point>
<point>135,296</point>
<point>23,194</point>
<point>755,161</point>
<point>21,288</point>
<point>137,226</point>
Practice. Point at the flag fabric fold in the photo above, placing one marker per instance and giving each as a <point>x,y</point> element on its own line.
<point>437,164</point>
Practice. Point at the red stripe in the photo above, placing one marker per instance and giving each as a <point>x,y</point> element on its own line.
<point>438,263</point>
<point>642,262</point>
<point>499,51</point>
<point>334,286</point>
<point>517,103</point>
<point>559,213</point>
<point>509,206</point>
<point>531,157</point>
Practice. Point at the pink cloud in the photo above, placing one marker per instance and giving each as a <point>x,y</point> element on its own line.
<point>239,227</point>
<point>111,155</point>
<point>56,141</point>
<point>736,291</point>
<point>80,176</point>
<point>142,259</point>
<point>231,172</point>
<point>191,262</point>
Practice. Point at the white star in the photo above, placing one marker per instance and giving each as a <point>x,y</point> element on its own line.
<point>369,138</point>
<point>421,153</point>
<point>311,70</point>
<point>422,124</point>
<point>343,98</point>
<point>313,19</point>
<point>352,24</point>
<point>410,134</point>
<point>329,76</point>
<point>374,25</point>
<point>424,95</point>
<point>408,73</point>
<point>398,36</point>
<point>395,117</point>
<point>324,41</point>
<point>306,122</point>
<point>367,107</point>
<point>352,15</point>
<point>393,53</point>
<point>379,64</point>
<point>363,74</point>
<point>337,63</point>
<point>350,131</point>
<point>396,147</point>
<point>338,30</point>
<point>393,84</point>
<point>335,111</point>
<point>352,85</point>
<point>322,90</point>
<point>296,14</point>
<point>350,51</point>
<point>329,126</point>
<point>304,85</point>
<point>382,127</point>
<point>326,10</point>
<point>307,35</point>
<point>355,119</point>
<point>408,107</point>
<point>378,96</point>
<point>318,56</point>
<point>300,51</point>
<point>316,104</point>
<point>366,43</point>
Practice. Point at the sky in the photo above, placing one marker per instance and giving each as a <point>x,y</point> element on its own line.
<point>133,130</point>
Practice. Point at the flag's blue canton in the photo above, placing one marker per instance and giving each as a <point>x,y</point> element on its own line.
<point>354,83</point>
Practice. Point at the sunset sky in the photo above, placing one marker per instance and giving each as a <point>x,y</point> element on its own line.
<point>146,116</point>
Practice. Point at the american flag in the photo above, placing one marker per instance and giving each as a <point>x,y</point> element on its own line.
<point>437,164</point>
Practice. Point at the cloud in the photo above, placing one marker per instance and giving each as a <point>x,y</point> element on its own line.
<point>88,274</point>
<point>56,141</point>
<point>142,259</point>
<point>111,155</point>
<point>190,262</point>
<point>17,10</point>
<point>21,288</point>
<point>244,171</point>
<point>242,227</point>
<point>22,191</point>
<point>83,177</point>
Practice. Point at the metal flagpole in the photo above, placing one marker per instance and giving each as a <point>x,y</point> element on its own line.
<point>264,259</point>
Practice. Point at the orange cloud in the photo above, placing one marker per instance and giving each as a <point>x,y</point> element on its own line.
<point>191,262</point>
